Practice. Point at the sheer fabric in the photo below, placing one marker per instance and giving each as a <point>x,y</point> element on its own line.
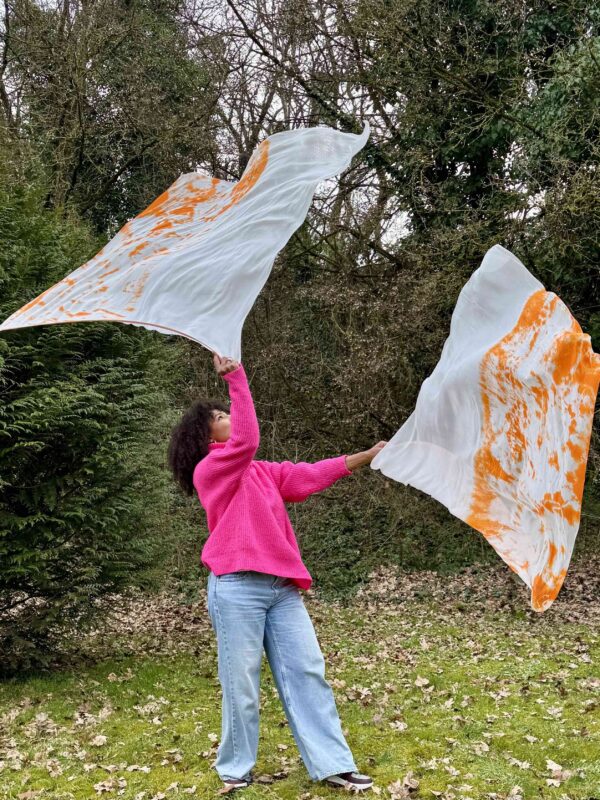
<point>501,429</point>
<point>194,261</point>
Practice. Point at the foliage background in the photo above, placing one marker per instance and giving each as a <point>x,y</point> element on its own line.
<point>485,124</point>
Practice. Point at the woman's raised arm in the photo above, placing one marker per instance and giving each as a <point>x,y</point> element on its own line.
<point>229,462</point>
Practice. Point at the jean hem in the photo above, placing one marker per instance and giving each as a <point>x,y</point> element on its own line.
<point>245,777</point>
<point>336,771</point>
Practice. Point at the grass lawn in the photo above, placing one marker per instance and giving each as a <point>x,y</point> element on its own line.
<point>446,687</point>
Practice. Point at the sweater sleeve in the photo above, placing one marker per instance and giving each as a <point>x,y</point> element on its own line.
<point>227,464</point>
<point>296,481</point>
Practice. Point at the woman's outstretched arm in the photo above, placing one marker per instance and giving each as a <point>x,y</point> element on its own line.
<point>298,480</point>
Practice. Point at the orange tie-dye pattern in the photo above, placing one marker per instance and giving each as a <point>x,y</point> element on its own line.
<point>523,388</point>
<point>177,212</point>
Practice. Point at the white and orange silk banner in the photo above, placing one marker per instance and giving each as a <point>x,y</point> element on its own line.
<point>501,429</point>
<point>195,260</point>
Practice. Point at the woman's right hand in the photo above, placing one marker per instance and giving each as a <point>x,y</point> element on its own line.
<point>224,365</point>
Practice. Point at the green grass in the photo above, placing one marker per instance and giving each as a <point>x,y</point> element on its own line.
<point>489,678</point>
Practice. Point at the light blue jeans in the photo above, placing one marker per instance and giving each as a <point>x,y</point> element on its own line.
<point>250,611</point>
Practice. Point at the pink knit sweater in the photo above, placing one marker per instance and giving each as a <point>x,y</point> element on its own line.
<point>245,499</point>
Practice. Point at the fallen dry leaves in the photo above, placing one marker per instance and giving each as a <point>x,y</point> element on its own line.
<point>404,623</point>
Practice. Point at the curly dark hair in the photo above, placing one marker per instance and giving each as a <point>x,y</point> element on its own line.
<point>189,441</point>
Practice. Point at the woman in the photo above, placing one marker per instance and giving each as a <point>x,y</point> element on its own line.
<point>256,573</point>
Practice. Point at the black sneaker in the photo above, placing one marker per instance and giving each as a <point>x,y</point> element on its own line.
<point>350,780</point>
<point>237,783</point>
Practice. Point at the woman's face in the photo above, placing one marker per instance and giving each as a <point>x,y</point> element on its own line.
<point>220,426</point>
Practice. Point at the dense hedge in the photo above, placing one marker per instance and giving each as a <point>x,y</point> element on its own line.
<point>84,497</point>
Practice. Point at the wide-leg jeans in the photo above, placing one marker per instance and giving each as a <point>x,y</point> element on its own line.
<point>251,611</point>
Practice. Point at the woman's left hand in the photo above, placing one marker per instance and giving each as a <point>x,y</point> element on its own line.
<point>372,452</point>
<point>357,460</point>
